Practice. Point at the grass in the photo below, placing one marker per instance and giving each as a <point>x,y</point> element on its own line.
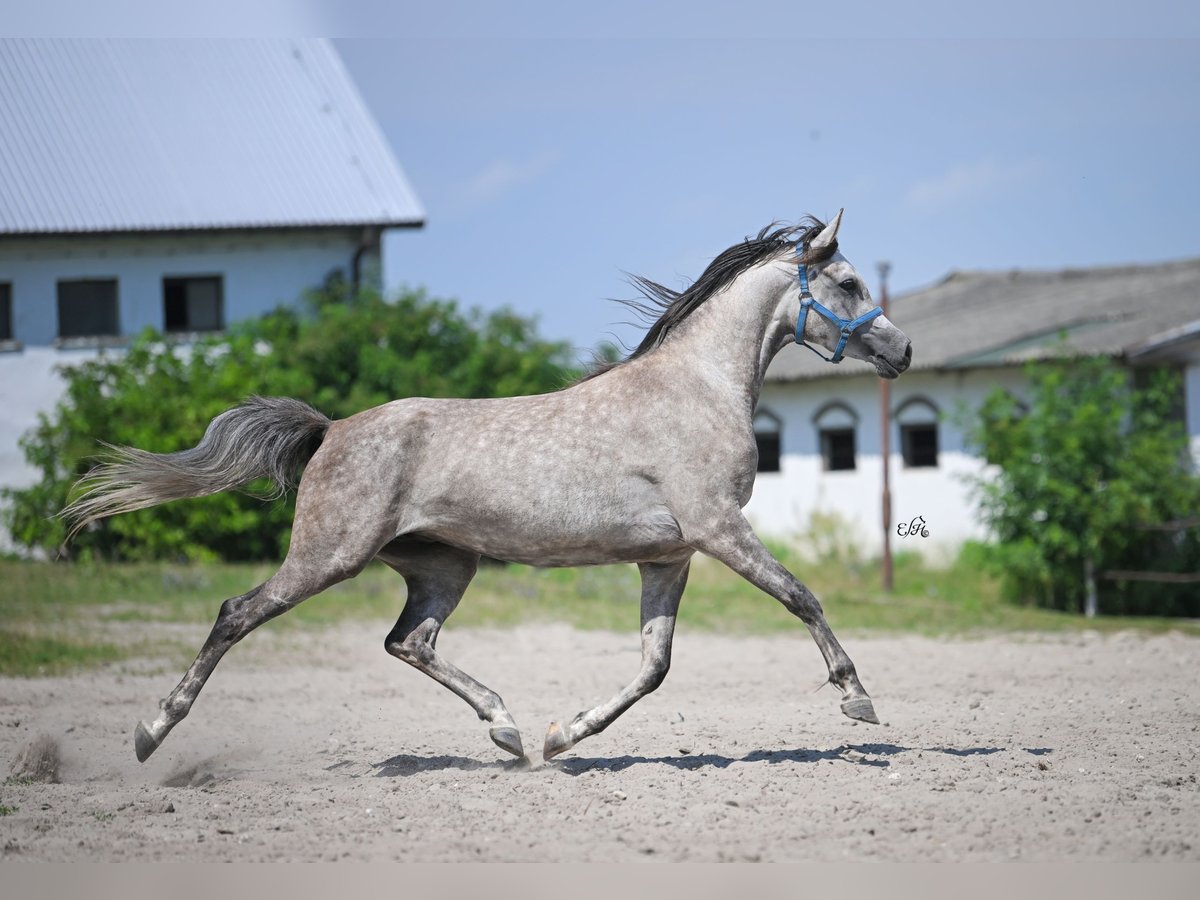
<point>33,654</point>
<point>58,617</point>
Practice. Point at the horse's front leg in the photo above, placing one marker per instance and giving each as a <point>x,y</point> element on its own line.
<point>662,586</point>
<point>735,544</point>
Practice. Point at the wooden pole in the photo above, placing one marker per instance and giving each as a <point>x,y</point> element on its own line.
<point>1089,583</point>
<point>885,402</point>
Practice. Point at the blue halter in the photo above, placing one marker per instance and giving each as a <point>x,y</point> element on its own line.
<point>847,327</point>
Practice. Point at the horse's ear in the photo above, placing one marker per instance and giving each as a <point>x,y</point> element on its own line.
<point>829,235</point>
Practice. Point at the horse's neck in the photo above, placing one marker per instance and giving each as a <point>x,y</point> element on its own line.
<point>732,338</point>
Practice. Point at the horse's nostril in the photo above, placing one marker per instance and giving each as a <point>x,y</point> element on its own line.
<point>908,352</point>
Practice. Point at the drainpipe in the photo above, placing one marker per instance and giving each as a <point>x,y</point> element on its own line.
<point>369,240</point>
<point>885,402</point>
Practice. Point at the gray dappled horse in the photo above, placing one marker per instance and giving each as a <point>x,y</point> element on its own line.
<point>647,461</point>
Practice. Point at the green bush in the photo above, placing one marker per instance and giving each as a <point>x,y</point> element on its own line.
<point>1084,474</point>
<point>339,355</point>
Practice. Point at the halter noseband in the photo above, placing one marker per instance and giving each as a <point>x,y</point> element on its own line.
<point>847,327</point>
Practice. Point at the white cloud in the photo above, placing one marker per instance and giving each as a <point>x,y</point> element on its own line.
<point>968,181</point>
<point>503,175</point>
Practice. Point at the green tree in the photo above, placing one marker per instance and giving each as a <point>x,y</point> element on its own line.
<point>340,355</point>
<point>1078,477</point>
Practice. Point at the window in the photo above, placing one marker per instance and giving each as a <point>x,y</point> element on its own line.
<point>837,449</point>
<point>1002,425</point>
<point>767,429</point>
<point>1146,376</point>
<point>193,304</point>
<point>837,427</point>
<point>87,308</point>
<point>918,421</point>
<point>6,315</point>
<point>919,444</point>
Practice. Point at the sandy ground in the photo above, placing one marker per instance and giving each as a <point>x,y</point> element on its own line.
<point>318,746</point>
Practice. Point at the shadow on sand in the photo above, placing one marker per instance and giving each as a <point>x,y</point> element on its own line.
<point>406,764</point>
<point>854,754</point>
<point>877,755</point>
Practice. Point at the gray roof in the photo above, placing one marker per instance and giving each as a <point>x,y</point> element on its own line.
<point>977,319</point>
<point>148,135</point>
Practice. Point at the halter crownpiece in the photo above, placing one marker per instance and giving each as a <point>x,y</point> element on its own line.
<point>846,327</point>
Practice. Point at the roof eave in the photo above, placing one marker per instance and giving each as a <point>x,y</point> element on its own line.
<point>1167,344</point>
<point>172,230</point>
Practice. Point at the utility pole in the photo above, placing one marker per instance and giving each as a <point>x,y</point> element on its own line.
<point>885,419</point>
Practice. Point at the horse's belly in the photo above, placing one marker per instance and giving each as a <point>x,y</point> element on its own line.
<point>537,542</point>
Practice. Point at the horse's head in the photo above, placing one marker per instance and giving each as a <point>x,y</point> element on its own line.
<point>834,308</point>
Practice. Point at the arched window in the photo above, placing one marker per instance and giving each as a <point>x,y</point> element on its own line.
<point>1002,423</point>
<point>837,425</point>
<point>917,418</point>
<point>767,430</point>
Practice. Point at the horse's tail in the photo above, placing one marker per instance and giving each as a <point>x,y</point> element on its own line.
<point>265,437</point>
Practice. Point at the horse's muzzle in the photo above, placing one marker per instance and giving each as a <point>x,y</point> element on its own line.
<point>886,368</point>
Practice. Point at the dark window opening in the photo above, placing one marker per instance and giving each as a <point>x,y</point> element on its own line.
<point>919,445</point>
<point>193,304</point>
<point>1145,377</point>
<point>87,308</point>
<point>767,431</point>
<point>837,449</point>
<point>768,452</point>
<point>1002,429</point>
<point>6,313</point>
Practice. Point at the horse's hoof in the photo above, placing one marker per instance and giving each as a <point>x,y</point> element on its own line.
<point>508,738</point>
<point>143,742</point>
<point>556,741</point>
<point>860,708</point>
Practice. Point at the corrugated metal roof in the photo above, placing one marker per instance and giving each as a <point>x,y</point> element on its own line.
<point>147,135</point>
<point>1005,318</point>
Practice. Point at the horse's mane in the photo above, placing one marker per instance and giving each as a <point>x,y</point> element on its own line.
<point>665,308</point>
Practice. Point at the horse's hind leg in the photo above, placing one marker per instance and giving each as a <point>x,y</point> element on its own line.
<point>291,585</point>
<point>437,576</point>
<point>735,544</point>
<point>662,587</point>
<point>343,517</point>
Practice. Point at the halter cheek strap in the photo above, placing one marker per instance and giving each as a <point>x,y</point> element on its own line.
<point>846,327</point>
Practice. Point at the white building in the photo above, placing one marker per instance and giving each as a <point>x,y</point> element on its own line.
<point>819,425</point>
<point>180,185</point>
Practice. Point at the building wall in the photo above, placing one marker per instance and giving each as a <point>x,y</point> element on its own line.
<point>260,271</point>
<point>784,502</point>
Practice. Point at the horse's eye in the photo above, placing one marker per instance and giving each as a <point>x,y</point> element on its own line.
<point>849,285</point>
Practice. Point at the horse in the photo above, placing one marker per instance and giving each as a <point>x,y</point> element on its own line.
<point>647,460</point>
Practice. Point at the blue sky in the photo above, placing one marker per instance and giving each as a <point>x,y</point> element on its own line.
<point>556,146</point>
<point>549,166</point>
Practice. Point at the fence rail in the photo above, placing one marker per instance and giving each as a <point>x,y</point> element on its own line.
<point>1164,577</point>
<point>1161,577</point>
